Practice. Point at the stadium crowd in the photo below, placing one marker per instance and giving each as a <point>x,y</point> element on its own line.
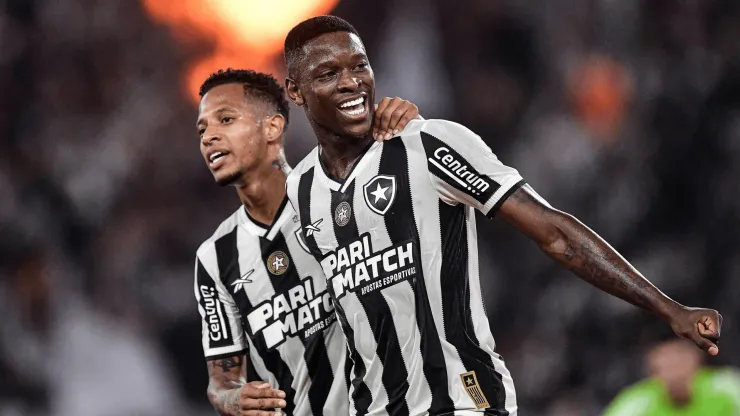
<point>626,114</point>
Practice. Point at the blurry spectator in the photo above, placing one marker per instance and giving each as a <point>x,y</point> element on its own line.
<point>679,385</point>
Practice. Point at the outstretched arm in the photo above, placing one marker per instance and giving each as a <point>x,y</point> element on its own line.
<point>463,169</point>
<point>575,246</point>
<point>230,394</point>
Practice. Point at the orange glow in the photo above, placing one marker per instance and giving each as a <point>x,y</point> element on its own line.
<point>245,33</point>
<point>602,90</point>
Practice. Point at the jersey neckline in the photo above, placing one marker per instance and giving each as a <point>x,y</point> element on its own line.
<point>337,184</point>
<point>262,229</point>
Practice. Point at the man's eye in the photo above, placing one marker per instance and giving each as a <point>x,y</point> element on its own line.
<point>226,120</point>
<point>326,75</point>
<point>201,132</point>
<point>362,65</point>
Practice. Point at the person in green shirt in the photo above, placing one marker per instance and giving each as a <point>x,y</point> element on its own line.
<point>679,385</point>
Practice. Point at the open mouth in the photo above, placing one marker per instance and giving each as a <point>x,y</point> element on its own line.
<point>354,108</point>
<point>215,159</point>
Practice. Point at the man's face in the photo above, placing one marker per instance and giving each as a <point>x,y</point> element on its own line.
<point>675,363</point>
<point>337,84</point>
<point>231,137</point>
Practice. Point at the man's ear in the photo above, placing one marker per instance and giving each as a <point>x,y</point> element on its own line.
<point>293,93</point>
<point>274,127</point>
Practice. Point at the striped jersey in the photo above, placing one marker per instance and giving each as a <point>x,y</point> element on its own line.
<point>260,292</point>
<point>397,242</point>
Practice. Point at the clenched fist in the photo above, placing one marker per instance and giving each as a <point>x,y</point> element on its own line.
<point>702,326</point>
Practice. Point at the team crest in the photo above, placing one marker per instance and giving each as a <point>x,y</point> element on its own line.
<point>278,263</point>
<point>342,214</point>
<point>470,382</point>
<point>379,193</point>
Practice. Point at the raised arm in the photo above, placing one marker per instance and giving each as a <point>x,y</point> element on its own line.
<point>230,394</point>
<point>575,246</point>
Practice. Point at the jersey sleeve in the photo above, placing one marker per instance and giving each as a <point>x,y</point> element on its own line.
<point>463,168</point>
<point>726,382</point>
<point>222,331</point>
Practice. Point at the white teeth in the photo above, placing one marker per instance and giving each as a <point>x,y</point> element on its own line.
<point>356,112</point>
<point>353,103</point>
<point>215,156</point>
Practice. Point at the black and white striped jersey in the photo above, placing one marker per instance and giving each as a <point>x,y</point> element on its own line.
<point>260,292</point>
<point>397,242</point>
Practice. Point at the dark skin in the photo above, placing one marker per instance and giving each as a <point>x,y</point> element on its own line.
<point>249,133</point>
<point>335,69</point>
<point>334,66</point>
<point>575,246</point>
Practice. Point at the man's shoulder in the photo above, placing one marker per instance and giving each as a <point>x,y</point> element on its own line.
<point>434,127</point>
<point>721,380</point>
<point>224,228</point>
<point>306,164</point>
<point>433,133</point>
<point>294,178</point>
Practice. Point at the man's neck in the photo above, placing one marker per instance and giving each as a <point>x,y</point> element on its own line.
<point>263,195</point>
<point>339,153</point>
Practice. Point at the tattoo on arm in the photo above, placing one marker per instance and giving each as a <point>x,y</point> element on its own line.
<point>226,377</point>
<point>581,250</point>
<point>228,363</point>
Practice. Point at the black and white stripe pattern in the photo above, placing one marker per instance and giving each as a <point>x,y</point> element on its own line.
<point>269,298</point>
<point>403,269</point>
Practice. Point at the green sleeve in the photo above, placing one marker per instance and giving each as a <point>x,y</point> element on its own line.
<point>726,383</point>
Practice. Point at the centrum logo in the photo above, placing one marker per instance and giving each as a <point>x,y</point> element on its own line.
<point>357,268</point>
<point>449,166</point>
<point>300,311</point>
<point>459,171</point>
<point>218,332</point>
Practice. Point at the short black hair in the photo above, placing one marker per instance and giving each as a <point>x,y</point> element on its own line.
<point>256,84</point>
<point>308,30</point>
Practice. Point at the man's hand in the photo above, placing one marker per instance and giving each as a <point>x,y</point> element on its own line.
<point>391,116</point>
<point>702,326</point>
<point>229,393</point>
<point>256,399</point>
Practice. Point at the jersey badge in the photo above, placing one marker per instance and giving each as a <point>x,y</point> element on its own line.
<point>278,263</point>
<point>342,214</point>
<point>379,193</point>
<point>470,382</point>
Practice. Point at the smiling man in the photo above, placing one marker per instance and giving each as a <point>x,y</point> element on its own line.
<point>393,226</point>
<point>260,294</point>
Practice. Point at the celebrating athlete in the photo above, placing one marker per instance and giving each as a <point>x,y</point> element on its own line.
<point>393,226</point>
<point>262,297</point>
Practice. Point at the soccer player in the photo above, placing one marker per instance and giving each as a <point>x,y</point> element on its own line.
<point>679,386</point>
<point>260,293</point>
<point>393,226</point>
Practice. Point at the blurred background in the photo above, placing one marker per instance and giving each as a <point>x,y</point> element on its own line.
<point>624,113</point>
